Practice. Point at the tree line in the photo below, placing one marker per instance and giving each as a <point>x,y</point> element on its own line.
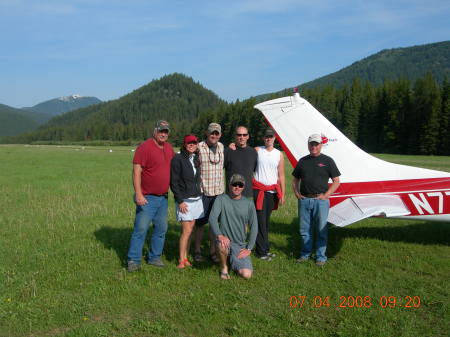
<point>398,116</point>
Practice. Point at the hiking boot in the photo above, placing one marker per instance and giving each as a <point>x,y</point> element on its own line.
<point>320,263</point>
<point>156,263</point>
<point>272,255</point>
<point>133,266</point>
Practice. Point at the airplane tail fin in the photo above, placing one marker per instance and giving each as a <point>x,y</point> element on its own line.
<point>295,119</point>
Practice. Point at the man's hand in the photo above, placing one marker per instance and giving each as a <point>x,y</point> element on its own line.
<point>232,146</point>
<point>244,253</point>
<point>224,242</point>
<point>140,200</point>
<point>281,200</point>
<point>322,196</point>
<point>183,207</point>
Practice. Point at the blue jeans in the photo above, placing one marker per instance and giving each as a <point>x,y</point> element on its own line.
<point>155,211</point>
<point>313,214</point>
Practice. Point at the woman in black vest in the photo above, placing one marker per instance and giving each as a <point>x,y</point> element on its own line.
<point>185,185</point>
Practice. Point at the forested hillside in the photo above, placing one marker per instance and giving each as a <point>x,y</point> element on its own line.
<point>174,97</point>
<point>13,121</point>
<point>390,64</point>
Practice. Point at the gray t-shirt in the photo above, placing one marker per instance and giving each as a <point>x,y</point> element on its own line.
<point>230,217</point>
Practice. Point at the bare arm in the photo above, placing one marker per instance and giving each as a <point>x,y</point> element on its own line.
<point>295,186</point>
<point>281,178</point>
<point>331,189</point>
<point>139,198</point>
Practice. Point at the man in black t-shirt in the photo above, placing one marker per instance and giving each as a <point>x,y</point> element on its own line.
<point>242,160</point>
<point>313,172</point>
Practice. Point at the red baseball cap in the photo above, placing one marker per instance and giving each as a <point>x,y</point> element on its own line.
<point>190,138</point>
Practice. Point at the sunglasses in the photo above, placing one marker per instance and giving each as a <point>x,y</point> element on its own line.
<point>215,133</point>
<point>268,136</point>
<point>192,143</point>
<point>241,134</point>
<point>238,184</point>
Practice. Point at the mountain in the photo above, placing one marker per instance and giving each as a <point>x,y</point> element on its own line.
<point>58,106</point>
<point>15,121</point>
<point>390,64</point>
<point>408,63</point>
<point>174,97</point>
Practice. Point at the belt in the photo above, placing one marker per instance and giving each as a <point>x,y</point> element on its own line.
<point>165,195</point>
<point>311,195</point>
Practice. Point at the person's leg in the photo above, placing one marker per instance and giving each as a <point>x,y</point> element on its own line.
<point>223,256</point>
<point>198,237</point>
<point>187,227</point>
<point>242,266</point>
<point>304,210</point>
<point>246,273</point>
<point>320,216</point>
<point>260,238</point>
<point>269,204</point>
<point>159,230</point>
<point>144,215</point>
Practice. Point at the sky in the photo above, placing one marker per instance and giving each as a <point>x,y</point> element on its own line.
<point>238,49</point>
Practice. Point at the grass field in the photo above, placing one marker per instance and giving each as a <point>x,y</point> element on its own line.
<point>65,222</point>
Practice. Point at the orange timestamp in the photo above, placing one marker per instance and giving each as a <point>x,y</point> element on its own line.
<point>350,302</point>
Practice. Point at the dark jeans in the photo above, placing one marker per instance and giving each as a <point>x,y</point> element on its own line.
<point>262,239</point>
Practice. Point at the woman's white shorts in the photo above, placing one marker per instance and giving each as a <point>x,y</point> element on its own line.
<point>195,210</point>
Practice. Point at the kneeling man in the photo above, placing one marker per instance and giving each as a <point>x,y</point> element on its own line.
<point>231,216</point>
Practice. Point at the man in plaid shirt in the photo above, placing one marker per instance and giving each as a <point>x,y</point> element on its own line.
<point>211,155</point>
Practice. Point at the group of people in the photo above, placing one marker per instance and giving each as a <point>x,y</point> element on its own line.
<point>238,224</point>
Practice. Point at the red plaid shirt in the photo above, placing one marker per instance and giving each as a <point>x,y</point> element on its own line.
<point>211,169</point>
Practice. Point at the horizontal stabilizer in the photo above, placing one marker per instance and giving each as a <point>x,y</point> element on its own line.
<point>357,208</point>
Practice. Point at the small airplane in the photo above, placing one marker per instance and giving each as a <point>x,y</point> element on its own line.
<point>369,186</point>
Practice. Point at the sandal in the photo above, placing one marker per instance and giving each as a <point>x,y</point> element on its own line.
<point>224,276</point>
<point>184,263</point>
<point>214,258</point>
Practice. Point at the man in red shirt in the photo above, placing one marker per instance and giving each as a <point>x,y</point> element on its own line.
<point>151,178</point>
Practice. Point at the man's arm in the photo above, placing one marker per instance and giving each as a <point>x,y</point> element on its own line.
<point>214,223</point>
<point>333,187</point>
<point>281,178</point>
<point>139,198</point>
<point>295,186</point>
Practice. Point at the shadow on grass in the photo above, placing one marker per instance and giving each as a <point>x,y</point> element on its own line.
<point>425,233</point>
<point>118,239</point>
<point>292,247</point>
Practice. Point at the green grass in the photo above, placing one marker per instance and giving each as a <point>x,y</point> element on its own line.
<point>65,222</point>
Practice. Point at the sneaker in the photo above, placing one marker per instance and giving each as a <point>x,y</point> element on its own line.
<point>320,263</point>
<point>156,263</point>
<point>272,255</point>
<point>198,257</point>
<point>266,258</point>
<point>133,266</point>
<point>302,260</point>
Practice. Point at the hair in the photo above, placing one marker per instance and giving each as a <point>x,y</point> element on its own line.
<point>240,126</point>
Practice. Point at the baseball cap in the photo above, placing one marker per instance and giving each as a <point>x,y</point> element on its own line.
<point>190,138</point>
<point>214,127</point>
<point>237,178</point>
<point>162,125</point>
<point>269,132</point>
<point>315,138</point>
